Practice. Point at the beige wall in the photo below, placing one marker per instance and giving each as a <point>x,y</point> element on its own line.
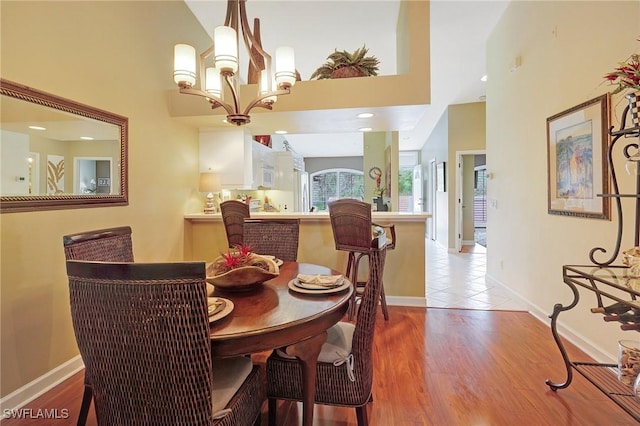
<point>566,48</point>
<point>461,128</point>
<point>467,132</point>
<point>116,56</point>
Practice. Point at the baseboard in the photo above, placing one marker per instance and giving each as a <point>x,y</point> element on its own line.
<point>565,332</point>
<point>27,393</point>
<point>468,242</point>
<point>419,302</point>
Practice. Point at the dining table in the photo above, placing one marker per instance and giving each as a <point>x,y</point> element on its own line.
<point>275,315</point>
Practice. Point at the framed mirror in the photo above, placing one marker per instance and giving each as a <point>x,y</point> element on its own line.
<point>59,154</point>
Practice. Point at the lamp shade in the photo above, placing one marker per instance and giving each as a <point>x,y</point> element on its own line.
<point>213,84</point>
<point>209,182</point>
<point>285,67</point>
<point>226,49</point>
<point>184,65</point>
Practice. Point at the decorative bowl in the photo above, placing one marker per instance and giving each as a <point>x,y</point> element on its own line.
<point>244,277</point>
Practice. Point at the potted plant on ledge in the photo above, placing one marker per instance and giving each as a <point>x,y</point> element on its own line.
<point>343,64</point>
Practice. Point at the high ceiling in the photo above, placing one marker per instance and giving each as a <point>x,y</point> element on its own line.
<point>459,30</point>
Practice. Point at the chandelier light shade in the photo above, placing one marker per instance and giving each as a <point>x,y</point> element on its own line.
<point>184,65</point>
<point>218,67</point>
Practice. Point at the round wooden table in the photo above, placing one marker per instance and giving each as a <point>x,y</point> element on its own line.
<point>273,316</point>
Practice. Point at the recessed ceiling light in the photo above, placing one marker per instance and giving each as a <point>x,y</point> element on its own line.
<point>37,128</point>
<point>365,129</point>
<point>484,78</point>
<point>86,138</point>
<point>281,132</point>
<point>365,115</point>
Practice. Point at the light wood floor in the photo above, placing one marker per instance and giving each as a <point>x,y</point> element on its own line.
<point>444,367</point>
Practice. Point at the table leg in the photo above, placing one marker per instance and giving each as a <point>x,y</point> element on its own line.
<point>307,352</point>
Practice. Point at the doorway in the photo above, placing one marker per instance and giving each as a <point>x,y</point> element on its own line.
<point>92,175</point>
<point>471,200</point>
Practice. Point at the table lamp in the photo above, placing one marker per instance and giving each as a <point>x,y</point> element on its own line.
<point>209,183</point>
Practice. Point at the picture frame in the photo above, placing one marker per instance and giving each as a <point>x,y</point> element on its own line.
<point>577,174</point>
<point>441,184</point>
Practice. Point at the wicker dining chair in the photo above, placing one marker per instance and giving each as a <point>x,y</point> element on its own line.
<point>143,332</point>
<point>275,237</point>
<point>107,245</point>
<point>234,213</point>
<point>345,365</point>
<point>352,228</point>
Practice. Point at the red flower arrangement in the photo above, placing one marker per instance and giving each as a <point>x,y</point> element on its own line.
<point>238,257</point>
<point>627,75</point>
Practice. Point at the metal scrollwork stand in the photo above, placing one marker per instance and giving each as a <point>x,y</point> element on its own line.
<point>607,276</point>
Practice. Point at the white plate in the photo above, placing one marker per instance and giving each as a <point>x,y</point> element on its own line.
<point>293,287</point>
<point>224,312</point>
<point>310,286</point>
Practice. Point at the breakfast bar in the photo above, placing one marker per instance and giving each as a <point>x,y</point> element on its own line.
<point>404,273</point>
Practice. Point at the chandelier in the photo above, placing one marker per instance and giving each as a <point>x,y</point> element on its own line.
<point>224,67</point>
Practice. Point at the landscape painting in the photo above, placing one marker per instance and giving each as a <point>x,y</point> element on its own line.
<point>577,144</point>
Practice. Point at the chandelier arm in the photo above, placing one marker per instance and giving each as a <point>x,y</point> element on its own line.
<point>231,20</point>
<point>228,78</point>
<point>202,66</point>
<point>248,37</point>
<point>213,100</point>
<point>257,102</point>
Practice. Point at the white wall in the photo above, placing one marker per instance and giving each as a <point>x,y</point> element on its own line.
<point>14,167</point>
<point>565,49</point>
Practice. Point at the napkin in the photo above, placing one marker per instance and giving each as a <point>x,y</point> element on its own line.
<point>215,305</point>
<point>321,280</point>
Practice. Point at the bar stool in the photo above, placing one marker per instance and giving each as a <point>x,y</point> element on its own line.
<point>234,213</point>
<point>353,232</point>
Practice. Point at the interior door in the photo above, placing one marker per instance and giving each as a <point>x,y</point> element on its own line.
<point>459,197</point>
<point>416,188</point>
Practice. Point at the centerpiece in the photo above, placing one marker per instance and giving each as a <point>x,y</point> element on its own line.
<point>240,269</point>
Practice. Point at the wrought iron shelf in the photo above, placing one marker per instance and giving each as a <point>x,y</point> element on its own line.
<point>609,283</point>
<point>603,377</point>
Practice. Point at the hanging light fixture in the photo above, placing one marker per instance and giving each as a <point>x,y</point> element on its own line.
<point>224,67</point>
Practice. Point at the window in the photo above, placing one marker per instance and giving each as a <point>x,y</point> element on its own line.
<point>332,184</point>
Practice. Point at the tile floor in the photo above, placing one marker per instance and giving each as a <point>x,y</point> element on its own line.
<point>457,280</point>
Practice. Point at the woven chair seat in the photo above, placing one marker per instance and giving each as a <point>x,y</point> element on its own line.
<point>275,237</point>
<point>107,245</point>
<point>143,333</point>
<point>353,229</point>
<point>334,386</point>
<point>234,213</point>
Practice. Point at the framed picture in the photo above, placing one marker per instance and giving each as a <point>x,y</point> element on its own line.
<point>577,144</point>
<point>441,184</point>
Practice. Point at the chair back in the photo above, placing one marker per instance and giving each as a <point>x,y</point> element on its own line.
<point>275,237</point>
<point>234,213</point>
<point>362,346</point>
<point>143,331</point>
<point>351,224</point>
<point>107,245</point>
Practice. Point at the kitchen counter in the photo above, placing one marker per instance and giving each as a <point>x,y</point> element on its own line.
<point>404,275</point>
<point>315,216</point>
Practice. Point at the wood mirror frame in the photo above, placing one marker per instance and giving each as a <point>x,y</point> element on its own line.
<point>21,203</point>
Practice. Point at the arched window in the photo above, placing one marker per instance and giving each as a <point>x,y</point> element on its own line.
<point>332,184</point>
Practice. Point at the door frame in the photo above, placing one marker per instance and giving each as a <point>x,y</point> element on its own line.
<point>431,200</point>
<point>458,195</point>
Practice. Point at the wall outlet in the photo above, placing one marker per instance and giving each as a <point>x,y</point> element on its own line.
<point>493,203</point>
